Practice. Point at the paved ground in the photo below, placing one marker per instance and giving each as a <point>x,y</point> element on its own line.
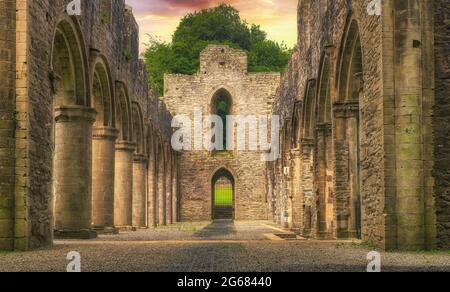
<point>217,247</point>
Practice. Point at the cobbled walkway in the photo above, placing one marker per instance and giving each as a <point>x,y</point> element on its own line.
<point>215,247</point>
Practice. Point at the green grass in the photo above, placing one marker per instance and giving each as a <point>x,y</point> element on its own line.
<point>223,196</point>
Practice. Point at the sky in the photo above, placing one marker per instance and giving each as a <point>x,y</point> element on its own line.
<point>160,18</point>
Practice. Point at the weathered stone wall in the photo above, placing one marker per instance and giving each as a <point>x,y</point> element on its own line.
<point>105,28</point>
<point>322,26</point>
<point>402,144</point>
<point>7,124</point>
<point>441,120</point>
<point>221,68</point>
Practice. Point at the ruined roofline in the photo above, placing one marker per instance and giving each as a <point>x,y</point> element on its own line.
<point>231,54</point>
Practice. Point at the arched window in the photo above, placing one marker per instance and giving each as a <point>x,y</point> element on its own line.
<point>221,106</point>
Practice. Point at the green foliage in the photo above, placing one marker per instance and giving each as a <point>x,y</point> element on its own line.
<point>223,196</point>
<point>219,25</point>
<point>104,18</point>
<point>127,54</point>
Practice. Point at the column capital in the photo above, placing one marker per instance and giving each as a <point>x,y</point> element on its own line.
<point>105,133</point>
<point>307,142</point>
<point>75,113</point>
<point>140,158</point>
<point>126,146</point>
<point>296,153</point>
<point>324,128</point>
<point>345,109</point>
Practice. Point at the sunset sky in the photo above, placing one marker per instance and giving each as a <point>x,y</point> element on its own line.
<point>161,17</point>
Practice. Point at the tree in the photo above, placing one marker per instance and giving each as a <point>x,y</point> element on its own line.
<point>218,25</point>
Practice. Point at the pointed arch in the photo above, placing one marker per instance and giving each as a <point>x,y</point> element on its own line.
<point>138,128</point>
<point>309,110</point>
<point>123,112</point>
<point>350,62</point>
<point>102,91</point>
<point>324,96</point>
<point>68,66</point>
<point>223,191</point>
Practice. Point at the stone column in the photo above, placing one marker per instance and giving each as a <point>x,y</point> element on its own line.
<point>175,196</point>
<point>72,172</point>
<point>297,197</point>
<point>152,211</point>
<point>341,169</point>
<point>162,220</point>
<point>321,204</point>
<point>354,224</point>
<point>307,184</point>
<point>123,185</point>
<point>289,190</point>
<point>169,194</point>
<point>139,191</point>
<point>103,150</point>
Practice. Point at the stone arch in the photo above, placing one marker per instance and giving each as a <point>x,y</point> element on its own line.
<point>349,83</point>
<point>140,159</point>
<point>350,62</point>
<point>103,144</point>
<point>138,128</point>
<point>123,112</point>
<point>68,66</point>
<point>323,170</point>
<point>124,156</point>
<point>102,91</point>
<point>152,172</point>
<point>223,194</point>
<point>309,110</point>
<point>73,122</point>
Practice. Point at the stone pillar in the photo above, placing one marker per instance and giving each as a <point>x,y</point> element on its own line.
<point>72,172</point>
<point>139,191</point>
<point>169,194</point>
<point>307,185</point>
<point>320,184</point>
<point>103,150</point>
<point>152,211</point>
<point>341,169</point>
<point>175,196</point>
<point>123,185</point>
<point>297,192</point>
<point>162,220</point>
<point>354,224</point>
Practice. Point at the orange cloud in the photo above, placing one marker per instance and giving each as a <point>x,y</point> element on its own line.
<point>161,17</point>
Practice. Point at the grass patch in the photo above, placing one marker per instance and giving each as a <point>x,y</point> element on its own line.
<point>223,196</point>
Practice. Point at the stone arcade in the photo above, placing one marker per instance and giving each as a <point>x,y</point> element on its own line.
<point>85,144</point>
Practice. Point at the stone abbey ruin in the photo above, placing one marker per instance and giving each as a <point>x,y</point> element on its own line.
<point>85,144</point>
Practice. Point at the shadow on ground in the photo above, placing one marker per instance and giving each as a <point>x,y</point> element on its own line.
<point>217,228</point>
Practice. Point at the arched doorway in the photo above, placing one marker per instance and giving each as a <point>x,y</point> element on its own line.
<point>223,195</point>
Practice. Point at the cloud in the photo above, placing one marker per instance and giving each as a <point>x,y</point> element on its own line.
<point>161,17</point>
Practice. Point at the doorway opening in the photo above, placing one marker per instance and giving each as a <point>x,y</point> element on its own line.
<point>223,195</point>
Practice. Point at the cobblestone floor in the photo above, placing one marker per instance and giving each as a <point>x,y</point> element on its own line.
<point>218,247</point>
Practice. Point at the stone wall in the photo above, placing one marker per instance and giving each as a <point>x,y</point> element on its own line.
<point>7,121</point>
<point>441,121</point>
<point>397,164</point>
<point>104,28</point>
<point>252,93</point>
